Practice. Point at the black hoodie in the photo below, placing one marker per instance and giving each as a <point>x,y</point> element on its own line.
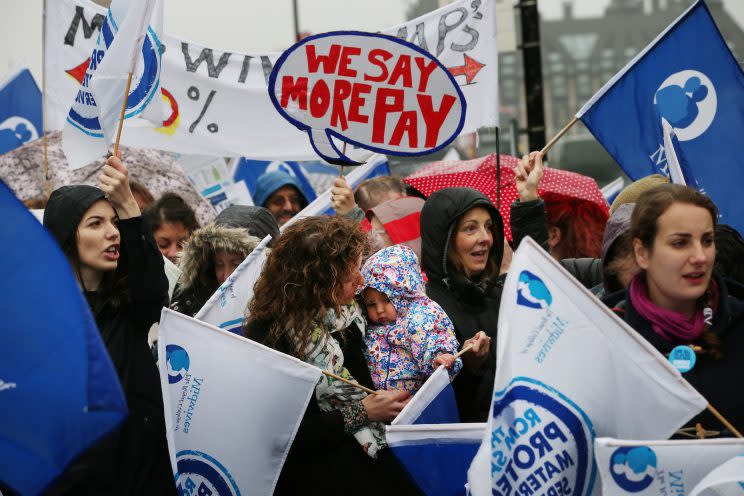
<point>134,458</point>
<point>471,307</point>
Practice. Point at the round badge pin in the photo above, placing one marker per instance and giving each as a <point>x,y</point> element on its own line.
<point>683,358</point>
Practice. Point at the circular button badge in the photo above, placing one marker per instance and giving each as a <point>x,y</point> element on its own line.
<point>683,358</point>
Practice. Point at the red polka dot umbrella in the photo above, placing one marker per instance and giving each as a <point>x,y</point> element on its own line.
<point>480,174</point>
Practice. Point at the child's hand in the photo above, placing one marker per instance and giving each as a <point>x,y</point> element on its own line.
<point>444,359</point>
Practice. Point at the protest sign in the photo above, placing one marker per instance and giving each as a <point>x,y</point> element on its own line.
<point>216,101</point>
<point>232,407</point>
<point>654,468</point>
<point>371,90</point>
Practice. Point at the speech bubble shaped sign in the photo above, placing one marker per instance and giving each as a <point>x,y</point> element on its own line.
<point>370,90</point>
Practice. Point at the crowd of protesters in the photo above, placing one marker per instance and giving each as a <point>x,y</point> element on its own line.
<point>393,279</point>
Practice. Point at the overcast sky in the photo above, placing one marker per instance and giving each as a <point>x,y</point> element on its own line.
<point>249,25</point>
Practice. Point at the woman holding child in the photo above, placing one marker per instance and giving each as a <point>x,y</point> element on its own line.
<point>303,306</point>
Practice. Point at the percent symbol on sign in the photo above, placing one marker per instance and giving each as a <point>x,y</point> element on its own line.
<point>193,94</point>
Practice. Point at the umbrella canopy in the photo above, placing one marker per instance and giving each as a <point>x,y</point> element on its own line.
<point>59,391</point>
<point>556,185</point>
<point>23,171</point>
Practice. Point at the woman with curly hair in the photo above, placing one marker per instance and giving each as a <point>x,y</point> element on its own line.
<point>303,306</point>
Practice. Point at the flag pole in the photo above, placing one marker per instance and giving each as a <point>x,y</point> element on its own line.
<point>463,351</point>
<point>121,115</point>
<point>557,136</point>
<point>350,383</point>
<point>498,170</point>
<point>47,181</point>
<point>723,420</point>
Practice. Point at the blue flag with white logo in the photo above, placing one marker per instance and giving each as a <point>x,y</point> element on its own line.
<point>678,109</point>
<point>59,391</point>
<point>20,111</point>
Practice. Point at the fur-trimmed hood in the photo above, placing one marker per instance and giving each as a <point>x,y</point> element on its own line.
<point>197,259</point>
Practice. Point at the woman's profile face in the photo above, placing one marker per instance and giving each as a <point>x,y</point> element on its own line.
<point>473,240</point>
<point>170,239</point>
<point>679,264</point>
<point>352,281</point>
<point>98,238</point>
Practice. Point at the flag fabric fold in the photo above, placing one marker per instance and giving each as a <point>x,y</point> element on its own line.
<point>569,370</point>
<point>232,407</point>
<point>725,480</point>
<point>433,403</point>
<point>676,109</point>
<point>20,111</point>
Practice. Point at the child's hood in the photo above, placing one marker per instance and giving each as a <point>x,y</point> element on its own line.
<point>395,271</point>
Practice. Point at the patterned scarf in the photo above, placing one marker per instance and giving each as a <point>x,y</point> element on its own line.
<point>324,352</point>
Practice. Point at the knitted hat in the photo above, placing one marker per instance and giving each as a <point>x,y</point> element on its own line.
<point>617,224</point>
<point>631,193</point>
<point>268,183</point>
<point>256,220</point>
<point>66,207</point>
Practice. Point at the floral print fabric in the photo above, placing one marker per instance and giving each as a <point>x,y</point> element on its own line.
<point>400,355</point>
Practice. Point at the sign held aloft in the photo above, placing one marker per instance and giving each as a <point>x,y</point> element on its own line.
<point>370,90</point>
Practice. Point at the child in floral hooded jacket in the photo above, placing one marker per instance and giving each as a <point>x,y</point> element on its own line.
<point>409,335</point>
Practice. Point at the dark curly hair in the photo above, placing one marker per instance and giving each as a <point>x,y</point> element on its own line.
<point>303,275</point>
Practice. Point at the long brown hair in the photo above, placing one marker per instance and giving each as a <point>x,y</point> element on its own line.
<point>644,226</point>
<point>302,277</point>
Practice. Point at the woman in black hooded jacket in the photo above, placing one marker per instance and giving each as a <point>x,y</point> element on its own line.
<point>457,226</point>
<point>120,270</point>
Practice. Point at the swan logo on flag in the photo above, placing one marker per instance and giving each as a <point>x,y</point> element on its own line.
<point>633,468</point>
<point>541,439</point>
<point>532,291</point>
<point>178,363</point>
<point>687,100</point>
<point>84,111</point>
<point>201,474</point>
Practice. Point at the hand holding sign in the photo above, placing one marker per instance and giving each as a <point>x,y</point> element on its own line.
<point>370,90</point>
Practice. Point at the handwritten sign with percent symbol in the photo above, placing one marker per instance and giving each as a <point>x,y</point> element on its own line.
<point>370,90</point>
<point>194,94</point>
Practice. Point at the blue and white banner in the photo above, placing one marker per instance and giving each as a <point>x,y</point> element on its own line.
<point>226,308</point>
<point>658,468</point>
<point>436,456</point>
<point>232,407</point>
<point>129,41</point>
<point>20,111</point>
<point>569,370</point>
<point>217,102</point>
<point>433,403</point>
<point>677,109</point>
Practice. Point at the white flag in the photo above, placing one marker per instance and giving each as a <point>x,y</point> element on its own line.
<point>568,369</point>
<point>128,42</point>
<point>651,468</point>
<point>725,480</point>
<point>232,407</point>
<point>226,308</point>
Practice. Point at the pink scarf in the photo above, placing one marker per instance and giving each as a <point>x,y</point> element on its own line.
<point>670,325</point>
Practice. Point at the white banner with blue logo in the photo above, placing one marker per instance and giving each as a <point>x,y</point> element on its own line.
<point>679,103</point>
<point>568,370</point>
<point>226,308</point>
<point>232,407</point>
<point>20,111</point>
<point>129,41</point>
<point>725,480</point>
<point>217,102</point>
<point>658,468</point>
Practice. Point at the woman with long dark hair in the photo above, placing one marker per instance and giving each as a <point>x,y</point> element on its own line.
<point>120,271</point>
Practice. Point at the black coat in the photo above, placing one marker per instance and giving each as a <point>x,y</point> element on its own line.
<point>134,458</point>
<point>719,381</point>
<point>324,459</point>
<point>471,307</point>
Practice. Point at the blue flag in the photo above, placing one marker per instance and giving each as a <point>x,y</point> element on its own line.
<point>58,388</point>
<point>434,403</point>
<point>678,109</point>
<point>20,111</point>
